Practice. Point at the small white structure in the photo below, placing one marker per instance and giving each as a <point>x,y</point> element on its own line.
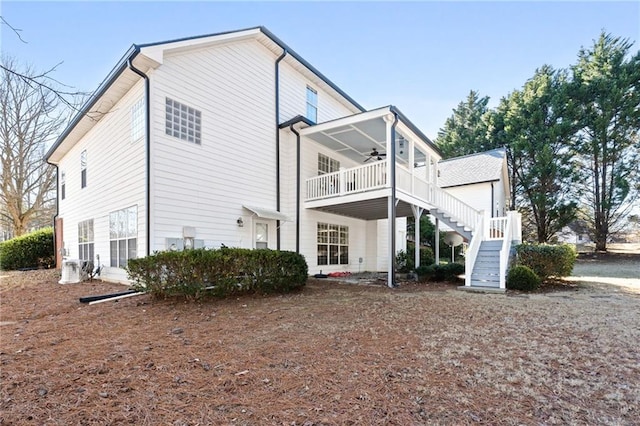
<point>234,139</point>
<point>71,272</point>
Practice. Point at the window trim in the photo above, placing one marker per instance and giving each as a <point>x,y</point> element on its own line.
<point>122,237</point>
<point>63,185</point>
<point>86,240</point>
<point>332,164</point>
<point>341,245</point>
<point>83,169</point>
<point>181,126</point>
<point>312,104</point>
<point>138,120</point>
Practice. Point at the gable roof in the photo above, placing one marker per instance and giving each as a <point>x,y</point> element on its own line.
<point>473,168</point>
<point>125,78</point>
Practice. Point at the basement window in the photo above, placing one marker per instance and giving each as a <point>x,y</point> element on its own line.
<point>183,122</point>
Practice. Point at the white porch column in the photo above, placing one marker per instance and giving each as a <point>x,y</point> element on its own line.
<point>437,242</point>
<point>417,214</point>
<point>391,121</point>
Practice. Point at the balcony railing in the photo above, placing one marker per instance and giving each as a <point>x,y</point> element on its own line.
<point>350,181</point>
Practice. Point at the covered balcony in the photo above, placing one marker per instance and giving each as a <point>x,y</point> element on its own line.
<point>397,162</point>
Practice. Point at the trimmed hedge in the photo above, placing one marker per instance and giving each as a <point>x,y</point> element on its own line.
<point>522,278</point>
<point>445,272</point>
<point>222,272</point>
<point>547,260</point>
<point>33,250</point>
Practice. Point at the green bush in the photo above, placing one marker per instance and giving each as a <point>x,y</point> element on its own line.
<point>405,260</point>
<point>522,278</point>
<point>444,272</point>
<point>547,260</point>
<point>33,250</point>
<point>222,272</point>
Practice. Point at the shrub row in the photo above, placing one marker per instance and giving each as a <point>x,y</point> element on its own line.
<point>33,250</point>
<point>223,272</point>
<point>547,260</point>
<point>445,272</point>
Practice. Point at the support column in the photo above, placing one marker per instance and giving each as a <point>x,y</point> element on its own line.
<point>437,242</point>
<point>391,120</point>
<point>417,214</point>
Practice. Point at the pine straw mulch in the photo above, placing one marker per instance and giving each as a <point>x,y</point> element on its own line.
<point>332,354</point>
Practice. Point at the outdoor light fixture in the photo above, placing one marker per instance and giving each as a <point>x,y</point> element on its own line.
<point>240,222</point>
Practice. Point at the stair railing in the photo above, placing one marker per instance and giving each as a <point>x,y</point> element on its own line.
<point>474,247</point>
<point>506,248</point>
<point>457,209</point>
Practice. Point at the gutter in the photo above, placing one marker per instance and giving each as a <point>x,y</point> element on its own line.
<point>277,89</point>
<point>147,94</point>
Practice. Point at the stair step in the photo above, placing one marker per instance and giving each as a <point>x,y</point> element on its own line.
<point>491,244</point>
<point>485,284</point>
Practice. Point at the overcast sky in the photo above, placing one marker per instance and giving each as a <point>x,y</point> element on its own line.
<point>423,57</point>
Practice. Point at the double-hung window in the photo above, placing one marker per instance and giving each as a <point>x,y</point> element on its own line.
<point>327,164</point>
<point>85,240</point>
<point>123,236</point>
<point>183,122</point>
<point>137,120</point>
<point>333,244</point>
<point>83,169</point>
<point>312,104</point>
<point>63,185</point>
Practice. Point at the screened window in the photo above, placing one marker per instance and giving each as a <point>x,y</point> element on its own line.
<point>312,104</point>
<point>183,122</point>
<point>63,185</point>
<point>123,232</point>
<point>327,164</point>
<point>333,244</point>
<point>137,120</point>
<point>85,240</point>
<point>83,169</point>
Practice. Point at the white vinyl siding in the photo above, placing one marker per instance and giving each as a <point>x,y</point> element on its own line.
<point>117,175</point>
<point>123,233</point>
<point>205,186</point>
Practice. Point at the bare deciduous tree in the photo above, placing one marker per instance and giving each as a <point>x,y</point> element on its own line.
<point>30,118</point>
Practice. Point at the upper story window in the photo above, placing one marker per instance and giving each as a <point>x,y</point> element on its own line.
<point>312,104</point>
<point>327,164</point>
<point>137,120</point>
<point>85,240</point>
<point>63,185</point>
<point>83,169</point>
<point>183,122</point>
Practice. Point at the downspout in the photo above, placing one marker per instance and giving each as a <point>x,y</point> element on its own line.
<point>392,209</point>
<point>55,236</point>
<point>277,87</point>
<point>147,93</point>
<point>297,187</point>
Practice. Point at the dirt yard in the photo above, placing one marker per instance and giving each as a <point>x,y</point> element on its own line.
<point>333,354</point>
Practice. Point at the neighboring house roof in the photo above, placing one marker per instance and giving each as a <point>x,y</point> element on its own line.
<point>90,112</point>
<point>474,168</point>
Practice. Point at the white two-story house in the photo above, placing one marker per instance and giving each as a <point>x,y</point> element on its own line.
<point>234,139</point>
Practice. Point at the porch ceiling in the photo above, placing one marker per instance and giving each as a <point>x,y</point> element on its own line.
<point>356,136</point>
<point>372,209</point>
<point>354,140</point>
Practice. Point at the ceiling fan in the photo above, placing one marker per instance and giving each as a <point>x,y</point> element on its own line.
<point>375,154</point>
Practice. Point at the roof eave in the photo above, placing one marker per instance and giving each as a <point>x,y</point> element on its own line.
<point>120,67</point>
